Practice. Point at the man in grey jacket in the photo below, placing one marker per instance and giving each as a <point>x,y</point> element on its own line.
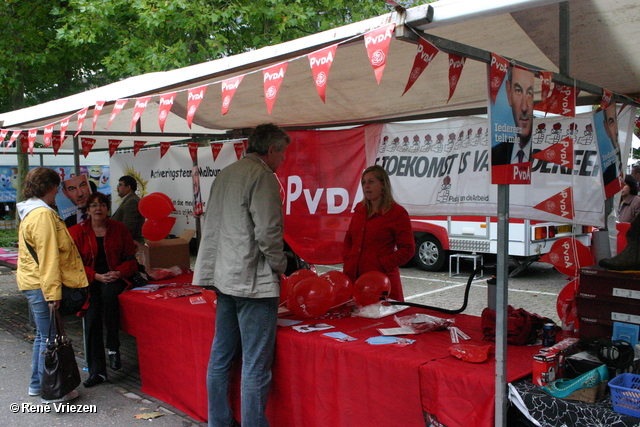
<point>128,213</point>
<point>241,254</point>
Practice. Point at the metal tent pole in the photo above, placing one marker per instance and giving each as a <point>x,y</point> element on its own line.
<point>502,274</point>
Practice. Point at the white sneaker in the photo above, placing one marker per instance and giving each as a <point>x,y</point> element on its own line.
<point>69,396</point>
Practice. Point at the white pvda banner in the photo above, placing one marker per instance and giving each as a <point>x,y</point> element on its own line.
<point>444,168</point>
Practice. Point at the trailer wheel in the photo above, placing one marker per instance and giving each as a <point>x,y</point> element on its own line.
<point>429,254</point>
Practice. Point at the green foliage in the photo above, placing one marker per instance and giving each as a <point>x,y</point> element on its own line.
<point>8,238</point>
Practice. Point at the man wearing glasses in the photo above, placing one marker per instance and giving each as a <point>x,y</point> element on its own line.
<point>128,213</point>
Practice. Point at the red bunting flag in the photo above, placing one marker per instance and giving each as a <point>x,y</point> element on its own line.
<point>193,151</point>
<point>456,64</point>
<point>3,134</point>
<point>87,145</point>
<point>56,142</point>
<point>32,133</point>
<point>560,204</point>
<point>97,109</point>
<point>424,56</point>
<point>607,97</point>
<point>273,77</point>
<point>166,102</point>
<point>24,142</point>
<point>48,133</point>
<point>113,146</point>
<point>562,101</point>
<point>228,88</point>
<point>498,71</point>
<point>14,136</point>
<point>141,104</point>
<point>239,147</point>
<point>194,98</point>
<point>377,43</point>
<point>320,62</point>
<point>216,147</point>
<point>164,147</point>
<point>638,122</point>
<point>63,127</point>
<point>82,114</point>
<point>560,153</point>
<point>117,107</point>
<point>545,79</point>
<point>137,145</point>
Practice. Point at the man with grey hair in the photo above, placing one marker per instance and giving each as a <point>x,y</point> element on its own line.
<point>635,172</point>
<point>241,255</point>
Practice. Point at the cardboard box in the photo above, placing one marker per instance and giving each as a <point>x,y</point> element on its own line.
<point>166,253</point>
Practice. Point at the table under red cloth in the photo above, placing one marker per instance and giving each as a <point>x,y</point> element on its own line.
<point>317,381</point>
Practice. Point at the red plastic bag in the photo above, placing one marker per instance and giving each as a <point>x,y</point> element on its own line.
<point>471,353</point>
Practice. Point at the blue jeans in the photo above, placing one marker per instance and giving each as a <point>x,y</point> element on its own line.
<point>40,312</point>
<point>249,323</point>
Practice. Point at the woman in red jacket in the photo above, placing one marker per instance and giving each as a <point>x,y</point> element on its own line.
<point>109,257</point>
<point>379,236</point>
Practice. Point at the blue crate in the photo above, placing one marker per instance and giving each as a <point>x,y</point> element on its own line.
<point>625,394</point>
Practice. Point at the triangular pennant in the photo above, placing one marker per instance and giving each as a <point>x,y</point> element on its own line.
<point>498,71</point>
<point>456,64</point>
<point>228,88</point>
<point>165,103</point>
<point>320,62</point>
<point>137,145</point>
<point>87,145</point>
<point>48,133</point>
<point>424,56</point>
<point>97,109</point>
<point>14,136</point>
<point>216,147</point>
<point>32,133</point>
<point>24,142</point>
<point>607,97</point>
<point>117,107</point>
<point>56,142</point>
<point>562,101</point>
<point>141,104</point>
<point>164,147</point>
<point>64,123</point>
<point>560,204</point>
<point>113,146</point>
<point>545,80</point>
<point>239,147</point>
<point>82,114</point>
<point>377,43</point>
<point>3,134</point>
<point>638,122</point>
<point>273,77</point>
<point>560,153</point>
<point>194,98</point>
<point>193,151</point>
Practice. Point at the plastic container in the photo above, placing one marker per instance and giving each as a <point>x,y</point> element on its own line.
<point>625,394</point>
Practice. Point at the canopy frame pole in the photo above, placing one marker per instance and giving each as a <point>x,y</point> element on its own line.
<point>502,278</point>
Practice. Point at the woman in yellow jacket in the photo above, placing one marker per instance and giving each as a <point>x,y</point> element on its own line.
<point>58,261</point>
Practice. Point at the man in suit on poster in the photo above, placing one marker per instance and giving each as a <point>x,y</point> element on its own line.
<point>77,190</point>
<point>128,213</point>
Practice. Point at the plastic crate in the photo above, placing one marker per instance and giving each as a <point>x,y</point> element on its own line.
<point>625,394</point>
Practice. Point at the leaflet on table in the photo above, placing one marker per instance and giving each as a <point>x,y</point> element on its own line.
<point>288,322</point>
<point>313,327</point>
<point>382,340</point>
<point>148,288</point>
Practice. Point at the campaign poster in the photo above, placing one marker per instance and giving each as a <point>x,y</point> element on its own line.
<point>605,124</point>
<point>511,118</point>
<point>8,183</point>
<point>73,194</point>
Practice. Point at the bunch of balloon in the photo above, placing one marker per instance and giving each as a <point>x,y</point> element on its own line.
<point>287,283</point>
<point>156,208</point>
<point>342,285</point>
<point>371,287</point>
<point>311,297</point>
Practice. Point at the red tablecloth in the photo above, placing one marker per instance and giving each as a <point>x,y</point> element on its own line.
<point>318,381</point>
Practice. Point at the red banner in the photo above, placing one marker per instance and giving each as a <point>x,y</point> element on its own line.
<point>320,179</point>
<point>562,101</point>
<point>377,43</point>
<point>424,56</point>
<point>273,77</point>
<point>228,88</point>
<point>164,147</point>
<point>63,127</point>
<point>97,109</point>
<point>607,97</point>
<point>56,142</point>
<point>141,104</point>
<point>82,114</point>
<point>456,64</point>
<point>137,145</point>
<point>560,204</point>
<point>87,145</point>
<point>31,134</point>
<point>560,153</point>
<point>545,80</point>
<point>194,98</point>
<point>193,151</point>
<point>48,132</point>
<point>165,103</point>
<point>320,62</point>
<point>117,107</point>
<point>113,146</point>
<point>240,148</point>
<point>499,67</point>
<point>215,150</point>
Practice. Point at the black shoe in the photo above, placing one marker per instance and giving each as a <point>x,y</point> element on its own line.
<point>93,380</point>
<point>114,360</point>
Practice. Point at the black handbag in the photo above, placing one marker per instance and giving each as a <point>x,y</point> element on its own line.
<point>60,375</point>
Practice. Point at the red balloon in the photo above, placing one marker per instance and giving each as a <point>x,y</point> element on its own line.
<point>342,285</point>
<point>296,276</point>
<point>568,255</point>
<point>370,287</point>
<point>156,206</point>
<point>566,302</point>
<point>284,288</point>
<point>311,297</point>
<point>157,229</point>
